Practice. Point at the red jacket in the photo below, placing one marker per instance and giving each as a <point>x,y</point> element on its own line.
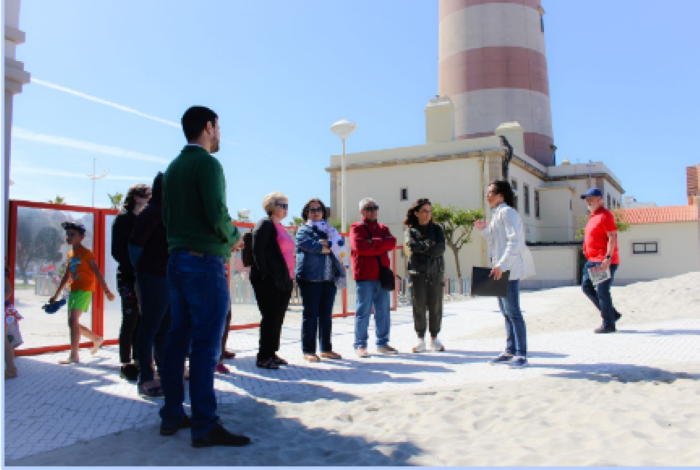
<point>364,252</point>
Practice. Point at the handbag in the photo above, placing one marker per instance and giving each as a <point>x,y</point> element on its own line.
<point>386,275</point>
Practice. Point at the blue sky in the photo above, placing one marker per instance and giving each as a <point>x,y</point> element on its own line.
<point>623,80</point>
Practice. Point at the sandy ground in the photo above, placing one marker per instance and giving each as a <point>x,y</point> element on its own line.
<point>647,419</point>
<point>637,415</point>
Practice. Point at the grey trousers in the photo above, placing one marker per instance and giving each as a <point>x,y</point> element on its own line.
<point>427,294</point>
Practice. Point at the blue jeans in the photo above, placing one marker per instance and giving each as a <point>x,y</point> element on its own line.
<point>516,333</point>
<point>370,293</point>
<point>154,325</point>
<point>200,303</point>
<point>318,298</point>
<point>600,294</point>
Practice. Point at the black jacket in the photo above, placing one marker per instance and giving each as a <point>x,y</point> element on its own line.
<point>267,256</point>
<point>427,252</point>
<point>122,227</point>
<point>149,233</point>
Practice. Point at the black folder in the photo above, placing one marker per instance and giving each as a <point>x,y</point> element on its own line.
<point>486,286</point>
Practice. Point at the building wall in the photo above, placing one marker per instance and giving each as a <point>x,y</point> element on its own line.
<point>678,251</point>
<point>556,215</point>
<point>555,266</point>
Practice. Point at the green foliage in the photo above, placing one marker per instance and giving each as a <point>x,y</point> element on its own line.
<point>620,222</point>
<point>458,225</point>
<point>297,222</point>
<point>115,199</point>
<point>60,200</point>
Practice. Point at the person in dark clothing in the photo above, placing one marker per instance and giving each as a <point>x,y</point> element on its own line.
<point>136,199</point>
<point>148,250</point>
<point>425,247</point>
<point>271,275</point>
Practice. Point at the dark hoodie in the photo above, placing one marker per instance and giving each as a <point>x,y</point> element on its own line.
<point>149,234</point>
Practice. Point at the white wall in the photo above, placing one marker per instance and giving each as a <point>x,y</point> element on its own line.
<point>678,251</point>
<point>555,266</point>
<point>556,216</point>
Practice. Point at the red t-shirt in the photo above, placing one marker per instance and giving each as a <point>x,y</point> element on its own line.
<point>595,243</point>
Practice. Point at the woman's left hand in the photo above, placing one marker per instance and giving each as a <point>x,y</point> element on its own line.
<point>496,273</point>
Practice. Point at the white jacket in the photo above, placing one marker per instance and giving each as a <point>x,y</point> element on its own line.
<point>506,237</point>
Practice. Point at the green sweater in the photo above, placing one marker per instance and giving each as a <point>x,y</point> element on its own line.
<point>194,205</point>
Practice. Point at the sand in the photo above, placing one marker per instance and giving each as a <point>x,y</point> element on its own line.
<point>637,415</point>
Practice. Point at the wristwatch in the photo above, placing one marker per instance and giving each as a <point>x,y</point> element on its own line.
<point>608,257</point>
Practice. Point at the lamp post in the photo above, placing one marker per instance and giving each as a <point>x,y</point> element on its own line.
<point>343,129</point>
<point>94,177</point>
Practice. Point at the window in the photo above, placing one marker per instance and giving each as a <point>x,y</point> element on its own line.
<point>542,23</point>
<point>404,194</point>
<point>514,185</point>
<point>526,193</point>
<point>645,248</point>
<point>537,204</point>
<point>609,206</point>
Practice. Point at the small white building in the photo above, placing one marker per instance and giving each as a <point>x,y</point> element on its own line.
<point>458,172</point>
<point>662,241</point>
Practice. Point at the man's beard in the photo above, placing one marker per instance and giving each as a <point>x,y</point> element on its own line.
<point>214,145</point>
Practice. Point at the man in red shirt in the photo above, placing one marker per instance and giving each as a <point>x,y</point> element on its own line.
<point>370,243</point>
<point>600,249</point>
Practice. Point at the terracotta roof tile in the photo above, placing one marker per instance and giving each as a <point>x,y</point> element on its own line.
<point>661,215</point>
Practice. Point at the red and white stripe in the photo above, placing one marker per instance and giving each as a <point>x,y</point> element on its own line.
<point>493,65</point>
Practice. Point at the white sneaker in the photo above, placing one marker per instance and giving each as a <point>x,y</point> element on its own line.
<point>361,352</point>
<point>420,347</point>
<point>436,345</point>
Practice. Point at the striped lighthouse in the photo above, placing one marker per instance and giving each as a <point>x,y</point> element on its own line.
<point>493,66</point>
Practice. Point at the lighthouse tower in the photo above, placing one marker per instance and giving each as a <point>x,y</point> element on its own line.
<point>493,66</point>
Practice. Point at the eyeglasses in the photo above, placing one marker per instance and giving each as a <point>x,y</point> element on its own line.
<point>316,209</point>
<point>371,208</point>
<point>283,206</point>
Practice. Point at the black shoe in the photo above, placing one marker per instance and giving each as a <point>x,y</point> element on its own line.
<point>617,316</point>
<point>603,329</point>
<point>129,372</point>
<point>219,436</point>
<point>184,424</point>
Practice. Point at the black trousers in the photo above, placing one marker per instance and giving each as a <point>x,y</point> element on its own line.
<point>224,338</point>
<point>273,304</point>
<point>130,321</point>
<point>427,294</point>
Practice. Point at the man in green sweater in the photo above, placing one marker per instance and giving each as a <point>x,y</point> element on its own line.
<point>201,237</point>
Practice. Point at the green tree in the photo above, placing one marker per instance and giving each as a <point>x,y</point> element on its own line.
<point>115,199</point>
<point>458,225</point>
<point>60,200</point>
<point>44,246</point>
<point>297,222</point>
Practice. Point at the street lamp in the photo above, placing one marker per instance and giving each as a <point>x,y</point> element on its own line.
<point>343,129</point>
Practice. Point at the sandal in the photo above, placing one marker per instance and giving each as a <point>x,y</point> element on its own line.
<point>267,364</point>
<point>278,360</point>
<point>311,357</point>
<point>150,392</point>
<point>229,354</point>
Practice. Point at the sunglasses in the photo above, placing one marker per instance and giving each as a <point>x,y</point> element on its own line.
<point>283,206</point>
<point>316,209</point>
<point>371,208</point>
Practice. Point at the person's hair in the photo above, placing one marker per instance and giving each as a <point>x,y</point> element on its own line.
<point>503,188</point>
<point>157,190</point>
<point>195,120</point>
<point>269,201</point>
<point>305,210</point>
<point>135,190</point>
<point>364,202</point>
<point>411,219</point>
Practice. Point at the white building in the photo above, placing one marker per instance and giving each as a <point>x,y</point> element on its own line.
<point>458,172</point>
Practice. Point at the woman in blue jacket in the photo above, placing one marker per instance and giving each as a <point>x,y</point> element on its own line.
<point>320,272</point>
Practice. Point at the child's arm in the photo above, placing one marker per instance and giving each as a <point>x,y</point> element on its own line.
<point>64,281</point>
<point>101,280</point>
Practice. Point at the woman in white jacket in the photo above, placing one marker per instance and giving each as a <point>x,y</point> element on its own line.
<point>506,238</point>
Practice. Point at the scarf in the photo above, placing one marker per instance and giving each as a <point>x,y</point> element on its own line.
<point>337,246</point>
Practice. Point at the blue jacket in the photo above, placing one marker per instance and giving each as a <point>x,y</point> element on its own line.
<point>310,261</point>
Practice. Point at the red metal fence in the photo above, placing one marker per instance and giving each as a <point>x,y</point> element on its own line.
<point>32,240</point>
